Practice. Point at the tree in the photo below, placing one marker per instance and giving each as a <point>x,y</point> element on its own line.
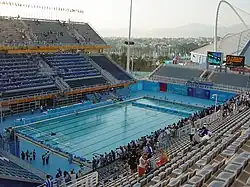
<point>162,59</point>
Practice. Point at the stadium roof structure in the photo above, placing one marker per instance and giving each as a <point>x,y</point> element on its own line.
<point>231,44</point>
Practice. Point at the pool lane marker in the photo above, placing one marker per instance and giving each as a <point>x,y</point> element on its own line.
<point>109,105</point>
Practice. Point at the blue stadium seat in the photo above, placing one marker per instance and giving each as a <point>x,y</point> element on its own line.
<point>18,71</point>
<point>112,68</point>
<point>179,72</point>
<point>72,66</point>
<point>9,168</point>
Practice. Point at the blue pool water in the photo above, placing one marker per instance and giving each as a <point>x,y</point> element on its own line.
<point>161,103</point>
<point>104,129</point>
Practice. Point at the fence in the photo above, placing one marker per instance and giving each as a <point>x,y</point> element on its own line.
<point>220,87</point>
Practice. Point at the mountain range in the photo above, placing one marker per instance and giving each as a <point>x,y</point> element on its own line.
<point>191,30</point>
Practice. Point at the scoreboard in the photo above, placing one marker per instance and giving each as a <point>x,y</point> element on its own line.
<point>214,58</point>
<point>235,61</point>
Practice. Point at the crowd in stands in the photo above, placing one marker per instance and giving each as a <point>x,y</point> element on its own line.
<point>62,178</point>
<point>139,151</point>
<point>15,31</point>
<point>11,31</point>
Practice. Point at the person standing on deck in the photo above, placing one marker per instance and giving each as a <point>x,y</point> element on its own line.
<point>43,158</point>
<point>34,154</point>
<point>23,155</point>
<point>27,155</point>
<point>41,108</point>
<point>47,157</point>
<point>30,156</point>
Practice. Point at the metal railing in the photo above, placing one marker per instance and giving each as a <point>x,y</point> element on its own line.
<point>106,74</point>
<point>220,87</point>
<point>25,45</point>
<point>88,180</point>
<point>156,69</point>
<point>186,129</point>
<point>208,119</point>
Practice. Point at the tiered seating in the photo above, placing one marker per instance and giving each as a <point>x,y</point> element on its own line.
<point>216,163</point>
<point>123,178</point>
<point>178,72</point>
<point>110,67</point>
<point>8,168</point>
<point>72,66</point>
<point>89,35</point>
<point>20,72</point>
<point>230,79</point>
<point>11,31</point>
<point>50,31</point>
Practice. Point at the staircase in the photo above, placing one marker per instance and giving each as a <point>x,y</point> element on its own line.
<point>28,33</point>
<point>152,74</point>
<point>74,33</point>
<point>205,75</point>
<point>45,69</point>
<point>211,74</point>
<point>61,84</point>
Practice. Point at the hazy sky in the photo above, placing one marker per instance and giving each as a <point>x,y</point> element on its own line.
<point>146,13</point>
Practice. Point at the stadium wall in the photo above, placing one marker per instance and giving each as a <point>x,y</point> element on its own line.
<point>181,90</point>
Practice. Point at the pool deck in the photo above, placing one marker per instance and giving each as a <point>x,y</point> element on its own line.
<point>57,161</point>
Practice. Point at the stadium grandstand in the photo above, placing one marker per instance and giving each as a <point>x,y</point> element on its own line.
<point>70,116</point>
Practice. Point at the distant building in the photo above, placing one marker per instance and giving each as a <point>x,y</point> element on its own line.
<point>231,44</point>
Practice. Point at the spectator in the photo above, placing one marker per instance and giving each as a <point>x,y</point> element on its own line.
<point>66,176</point>
<point>48,182</point>
<point>192,133</point>
<point>143,164</point>
<point>47,155</point>
<point>30,156</point>
<point>23,155</point>
<point>94,164</point>
<point>27,155</point>
<point>34,154</point>
<point>43,159</point>
<point>133,161</point>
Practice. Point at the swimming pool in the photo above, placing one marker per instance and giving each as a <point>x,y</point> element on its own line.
<point>101,130</point>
